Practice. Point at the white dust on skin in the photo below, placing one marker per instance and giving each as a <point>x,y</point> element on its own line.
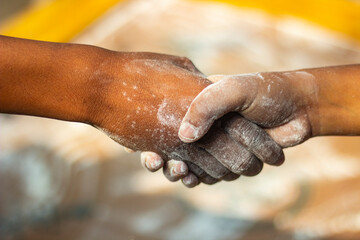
<point>212,103</point>
<point>292,133</point>
<point>214,100</point>
<point>304,75</point>
<point>296,129</point>
<point>257,141</point>
<point>225,95</point>
<point>151,160</point>
<point>166,116</point>
<point>169,117</point>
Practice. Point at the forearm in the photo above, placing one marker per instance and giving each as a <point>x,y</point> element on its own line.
<point>46,79</point>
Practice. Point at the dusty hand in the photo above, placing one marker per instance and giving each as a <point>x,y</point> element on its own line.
<point>140,102</point>
<point>274,101</point>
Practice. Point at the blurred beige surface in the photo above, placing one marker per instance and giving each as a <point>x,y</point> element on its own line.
<point>63,180</point>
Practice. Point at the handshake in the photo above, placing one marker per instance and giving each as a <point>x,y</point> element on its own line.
<point>206,129</point>
<point>198,128</point>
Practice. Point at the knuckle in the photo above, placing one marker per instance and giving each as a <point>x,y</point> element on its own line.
<point>246,132</point>
<point>186,61</point>
<point>237,168</point>
<point>241,163</point>
<point>255,136</point>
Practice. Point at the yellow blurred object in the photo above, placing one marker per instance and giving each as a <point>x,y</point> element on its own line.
<point>339,15</point>
<point>58,20</point>
<point>61,20</point>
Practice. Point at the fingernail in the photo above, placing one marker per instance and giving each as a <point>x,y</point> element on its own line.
<point>172,172</point>
<point>190,180</point>
<point>152,162</point>
<point>146,161</point>
<point>156,164</point>
<point>180,169</point>
<point>187,132</point>
<point>187,180</point>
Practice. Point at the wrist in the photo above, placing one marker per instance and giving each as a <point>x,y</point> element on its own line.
<point>304,94</point>
<point>337,103</point>
<point>71,91</point>
<point>94,84</point>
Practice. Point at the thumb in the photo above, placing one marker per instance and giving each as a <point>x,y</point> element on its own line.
<point>227,95</point>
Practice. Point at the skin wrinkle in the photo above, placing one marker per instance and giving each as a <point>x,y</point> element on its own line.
<point>204,107</point>
<point>168,117</point>
<point>225,151</point>
<point>254,139</point>
<point>274,100</point>
<point>283,112</point>
<point>158,134</point>
<point>203,159</point>
<point>211,96</point>
<point>271,100</point>
<point>298,122</point>
<point>74,82</point>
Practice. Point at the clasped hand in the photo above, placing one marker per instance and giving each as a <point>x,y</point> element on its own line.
<point>260,112</point>
<point>227,129</point>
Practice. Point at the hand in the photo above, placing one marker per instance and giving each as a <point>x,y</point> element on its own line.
<point>140,100</point>
<point>279,102</point>
<point>235,125</point>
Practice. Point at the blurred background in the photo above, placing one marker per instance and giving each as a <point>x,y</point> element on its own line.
<point>61,180</point>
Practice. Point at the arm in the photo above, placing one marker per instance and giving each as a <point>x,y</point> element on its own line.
<point>293,106</point>
<point>46,79</point>
<point>138,99</point>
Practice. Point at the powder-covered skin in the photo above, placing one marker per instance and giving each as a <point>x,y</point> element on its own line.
<point>291,106</point>
<point>133,96</point>
<point>151,99</point>
<point>272,100</point>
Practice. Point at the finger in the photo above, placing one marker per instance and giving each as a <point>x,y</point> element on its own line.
<point>201,174</point>
<point>292,133</point>
<point>206,162</point>
<point>129,150</point>
<point>212,103</point>
<point>190,180</point>
<point>174,170</point>
<point>254,138</point>
<point>231,177</point>
<point>231,154</point>
<point>151,161</point>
